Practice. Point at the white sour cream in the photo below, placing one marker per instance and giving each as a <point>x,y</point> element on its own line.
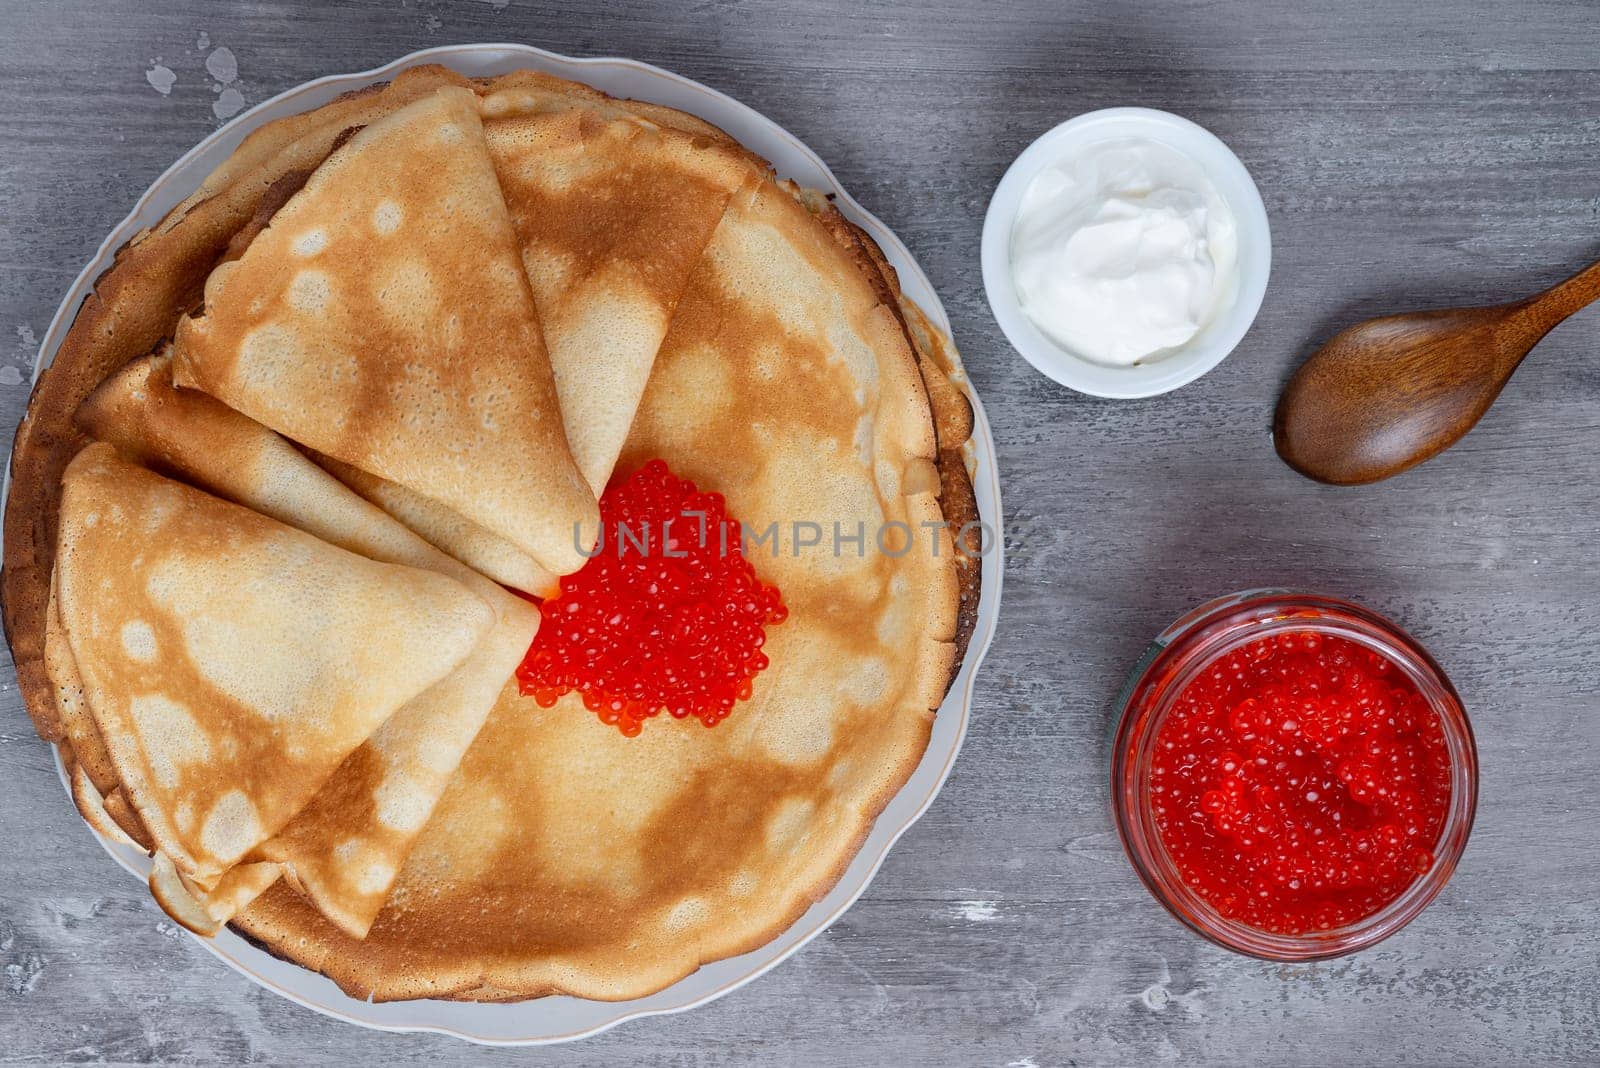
<point>1124,251</point>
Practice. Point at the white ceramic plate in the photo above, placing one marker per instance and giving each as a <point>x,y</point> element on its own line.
<point>558,1019</point>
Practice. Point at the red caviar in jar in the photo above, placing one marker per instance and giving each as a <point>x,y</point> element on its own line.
<point>668,615</point>
<point>1300,783</point>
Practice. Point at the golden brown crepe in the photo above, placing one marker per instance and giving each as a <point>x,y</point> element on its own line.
<point>612,212</point>
<point>344,848</point>
<point>561,856</point>
<point>231,662</point>
<point>613,865</point>
<point>383,318</point>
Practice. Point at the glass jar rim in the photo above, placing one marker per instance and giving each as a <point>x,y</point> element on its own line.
<point>1197,640</point>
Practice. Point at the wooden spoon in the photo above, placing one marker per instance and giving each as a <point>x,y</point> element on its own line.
<point>1389,393</point>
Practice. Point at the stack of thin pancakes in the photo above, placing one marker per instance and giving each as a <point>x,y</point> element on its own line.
<point>272,497</point>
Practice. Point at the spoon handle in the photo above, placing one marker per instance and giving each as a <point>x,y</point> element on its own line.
<point>1547,309</point>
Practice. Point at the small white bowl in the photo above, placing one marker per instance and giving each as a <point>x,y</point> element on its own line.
<point>1207,348</point>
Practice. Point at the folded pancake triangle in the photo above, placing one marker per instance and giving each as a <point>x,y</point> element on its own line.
<point>230,662</point>
<point>343,849</point>
<point>613,212</point>
<point>383,318</point>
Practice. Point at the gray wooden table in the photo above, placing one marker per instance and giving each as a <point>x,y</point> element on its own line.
<point>1410,154</point>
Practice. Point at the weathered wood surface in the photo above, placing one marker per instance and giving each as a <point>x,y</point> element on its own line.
<point>1409,155</point>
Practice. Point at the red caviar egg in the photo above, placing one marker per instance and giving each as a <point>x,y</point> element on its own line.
<point>1300,783</point>
<point>667,616</point>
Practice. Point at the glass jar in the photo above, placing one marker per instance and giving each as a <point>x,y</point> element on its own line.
<point>1180,654</point>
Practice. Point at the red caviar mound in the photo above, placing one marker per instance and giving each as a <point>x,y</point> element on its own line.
<point>1300,783</point>
<point>668,615</point>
